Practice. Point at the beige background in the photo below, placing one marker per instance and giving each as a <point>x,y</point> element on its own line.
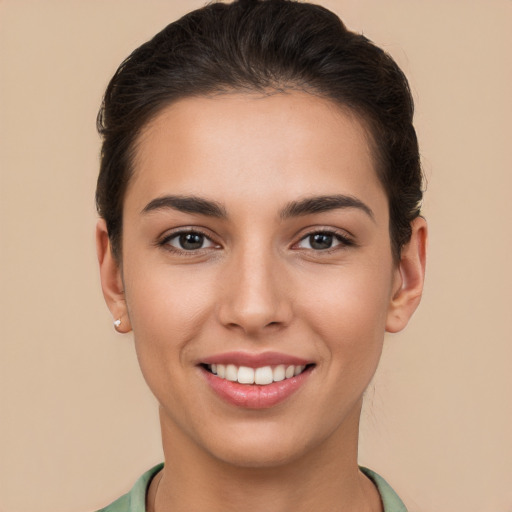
<point>77,424</point>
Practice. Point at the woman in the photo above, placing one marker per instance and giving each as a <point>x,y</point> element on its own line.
<point>259,197</point>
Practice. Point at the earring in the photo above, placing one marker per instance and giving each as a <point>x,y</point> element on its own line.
<point>117,323</point>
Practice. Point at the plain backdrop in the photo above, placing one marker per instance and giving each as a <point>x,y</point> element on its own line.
<point>77,423</point>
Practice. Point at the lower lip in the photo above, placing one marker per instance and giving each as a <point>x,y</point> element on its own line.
<point>252,396</point>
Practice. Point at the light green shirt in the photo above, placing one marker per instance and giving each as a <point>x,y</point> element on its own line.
<point>135,500</point>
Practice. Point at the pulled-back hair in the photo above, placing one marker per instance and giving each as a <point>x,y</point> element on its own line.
<point>262,46</point>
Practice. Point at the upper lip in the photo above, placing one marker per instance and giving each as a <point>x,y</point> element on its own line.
<point>253,360</point>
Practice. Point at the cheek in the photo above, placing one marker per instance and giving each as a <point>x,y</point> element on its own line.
<point>162,299</point>
<point>167,311</point>
<point>348,311</point>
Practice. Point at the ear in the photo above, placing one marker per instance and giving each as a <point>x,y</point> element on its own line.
<point>409,277</point>
<point>111,279</point>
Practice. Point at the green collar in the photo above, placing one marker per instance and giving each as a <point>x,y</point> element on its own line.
<point>390,501</point>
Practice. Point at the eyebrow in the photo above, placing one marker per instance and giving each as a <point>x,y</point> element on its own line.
<point>318,204</point>
<point>187,204</point>
<point>306,206</point>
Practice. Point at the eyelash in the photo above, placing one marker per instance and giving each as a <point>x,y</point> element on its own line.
<point>165,242</point>
<point>343,240</point>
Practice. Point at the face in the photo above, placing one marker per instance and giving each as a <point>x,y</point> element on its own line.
<point>257,274</point>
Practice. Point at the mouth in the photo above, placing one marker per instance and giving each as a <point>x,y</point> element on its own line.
<point>261,376</point>
<point>255,381</point>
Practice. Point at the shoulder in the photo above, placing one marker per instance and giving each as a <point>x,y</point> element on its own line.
<point>135,500</point>
<point>390,500</point>
<point>120,505</point>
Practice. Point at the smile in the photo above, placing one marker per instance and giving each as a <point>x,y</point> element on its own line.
<point>261,376</point>
<point>255,381</point>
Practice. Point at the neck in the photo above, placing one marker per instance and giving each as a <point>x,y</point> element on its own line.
<point>326,478</point>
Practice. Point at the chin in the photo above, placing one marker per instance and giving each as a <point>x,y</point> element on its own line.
<point>268,444</point>
<point>255,455</point>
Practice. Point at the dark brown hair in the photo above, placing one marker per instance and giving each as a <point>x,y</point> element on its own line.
<point>262,45</point>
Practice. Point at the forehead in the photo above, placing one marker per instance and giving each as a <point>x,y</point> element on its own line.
<point>248,145</point>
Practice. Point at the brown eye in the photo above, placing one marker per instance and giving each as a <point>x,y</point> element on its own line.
<point>320,241</point>
<point>323,240</point>
<point>190,241</point>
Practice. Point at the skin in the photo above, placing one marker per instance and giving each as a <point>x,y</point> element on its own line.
<point>257,285</point>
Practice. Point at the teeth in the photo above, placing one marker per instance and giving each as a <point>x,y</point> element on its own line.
<point>245,375</point>
<point>261,376</point>
<point>231,372</point>
<point>279,373</point>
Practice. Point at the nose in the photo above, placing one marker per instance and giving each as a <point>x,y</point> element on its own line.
<point>256,294</point>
